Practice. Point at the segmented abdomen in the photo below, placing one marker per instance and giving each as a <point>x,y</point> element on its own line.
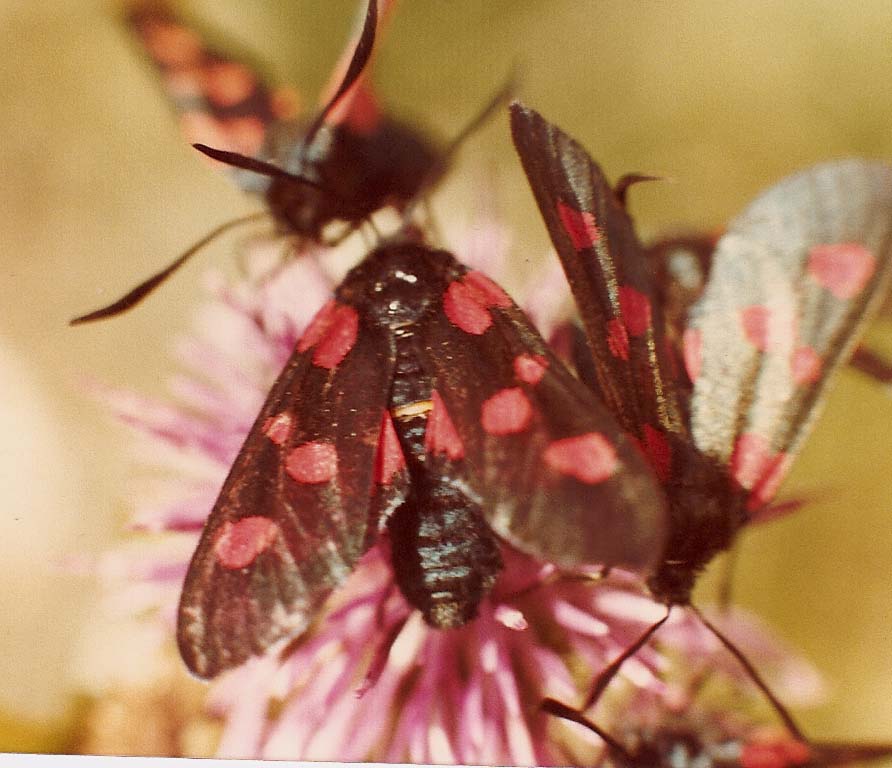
<point>445,557</point>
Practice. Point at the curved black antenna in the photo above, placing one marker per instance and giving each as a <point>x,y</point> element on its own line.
<point>133,297</point>
<point>255,166</point>
<point>361,57</point>
<point>273,171</point>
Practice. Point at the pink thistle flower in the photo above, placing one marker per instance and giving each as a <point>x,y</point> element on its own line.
<point>372,681</point>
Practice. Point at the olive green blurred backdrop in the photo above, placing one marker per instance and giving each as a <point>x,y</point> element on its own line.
<point>97,190</point>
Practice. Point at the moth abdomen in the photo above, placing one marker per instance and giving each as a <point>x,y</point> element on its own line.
<point>445,558</point>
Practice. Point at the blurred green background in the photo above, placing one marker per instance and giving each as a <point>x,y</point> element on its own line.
<point>98,190</point>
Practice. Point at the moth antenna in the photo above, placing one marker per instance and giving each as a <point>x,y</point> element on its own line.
<point>361,56</point>
<point>255,166</point>
<point>137,294</point>
<point>268,169</point>
<point>621,189</point>
<point>557,709</point>
<point>381,656</point>
<point>781,710</point>
<point>499,99</point>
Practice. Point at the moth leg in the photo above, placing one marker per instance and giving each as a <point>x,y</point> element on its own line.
<point>609,672</point>
<point>603,680</point>
<point>333,241</point>
<point>557,709</point>
<point>744,662</point>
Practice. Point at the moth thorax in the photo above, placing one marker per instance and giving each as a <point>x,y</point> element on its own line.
<point>445,558</point>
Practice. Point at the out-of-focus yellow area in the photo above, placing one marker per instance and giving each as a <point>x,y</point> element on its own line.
<point>98,190</point>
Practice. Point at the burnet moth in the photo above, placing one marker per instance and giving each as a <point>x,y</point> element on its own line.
<point>420,406</point>
<point>348,161</point>
<point>721,412</point>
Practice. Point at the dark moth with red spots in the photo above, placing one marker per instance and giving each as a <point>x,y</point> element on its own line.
<point>350,160</point>
<point>356,157</point>
<point>419,408</point>
<point>720,392</point>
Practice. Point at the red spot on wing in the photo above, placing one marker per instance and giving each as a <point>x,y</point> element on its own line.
<point>579,225</point>
<point>842,268</point>
<point>692,349</point>
<point>530,368</point>
<point>172,45</point>
<point>246,133</point>
<point>773,474</point>
<point>756,321</point>
<point>806,366</point>
<point>757,468</point>
<point>464,311</point>
<point>279,428</point>
<point>486,292</point>
<point>440,435</point>
<point>390,459</point>
<point>748,459</point>
<point>635,307</point>
<point>338,339</point>
<point>239,543</point>
<point>590,458</point>
<point>285,103</point>
<point>332,332</point>
<point>507,412</point>
<point>312,462</point>
<point>617,339</point>
<point>467,302</point>
<point>228,83</point>
<point>318,326</point>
